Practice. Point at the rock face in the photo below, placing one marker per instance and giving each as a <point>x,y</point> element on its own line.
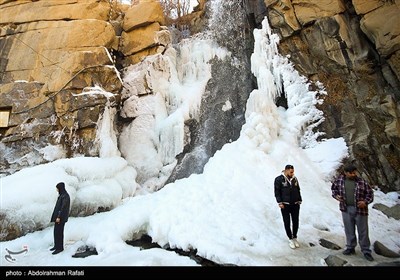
<point>53,52</point>
<point>353,48</point>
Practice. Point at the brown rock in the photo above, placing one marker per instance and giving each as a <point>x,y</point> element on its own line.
<point>143,14</point>
<point>50,10</point>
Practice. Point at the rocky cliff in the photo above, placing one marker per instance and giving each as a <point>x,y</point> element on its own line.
<point>53,52</point>
<point>353,48</point>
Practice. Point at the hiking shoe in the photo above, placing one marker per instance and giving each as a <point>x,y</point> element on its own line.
<point>368,257</point>
<point>296,243</point>
<point>349,252</point>
<point>52,249</point>
<point>291,244</point>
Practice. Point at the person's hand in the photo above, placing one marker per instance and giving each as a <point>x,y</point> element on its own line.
<point>281,205</point>
<point>58,220</point>
<point>340,198</point>
<point>361,204</point>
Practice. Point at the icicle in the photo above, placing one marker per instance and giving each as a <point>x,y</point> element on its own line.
<point>106,136</point>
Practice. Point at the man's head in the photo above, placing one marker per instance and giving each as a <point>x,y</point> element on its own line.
<point>60,187</point>
<point>289,171</point>
<point>350,171</point>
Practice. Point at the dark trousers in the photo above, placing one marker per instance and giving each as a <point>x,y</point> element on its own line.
<point>291,212</point>
<point>59,236</point>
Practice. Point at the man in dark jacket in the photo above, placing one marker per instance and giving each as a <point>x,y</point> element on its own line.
<point>60,217</point>
<point>354,195</point>
<point>287,194</point>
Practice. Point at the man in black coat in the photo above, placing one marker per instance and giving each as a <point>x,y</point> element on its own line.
<point>288,196</point>
<point>60,217</point>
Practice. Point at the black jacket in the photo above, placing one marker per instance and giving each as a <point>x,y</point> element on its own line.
<point>285,191</point>
<point>61,209</point>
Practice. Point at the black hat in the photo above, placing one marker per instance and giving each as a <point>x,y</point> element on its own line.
<point>350,168</point>
<point>60,186</point>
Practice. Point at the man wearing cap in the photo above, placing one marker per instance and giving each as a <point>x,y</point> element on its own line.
<point>354,195</point>
<point>60,217</point>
